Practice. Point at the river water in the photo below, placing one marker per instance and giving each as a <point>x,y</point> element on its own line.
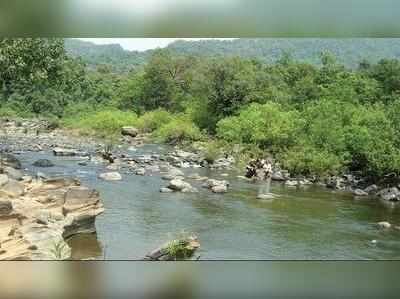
<point>300,223</point>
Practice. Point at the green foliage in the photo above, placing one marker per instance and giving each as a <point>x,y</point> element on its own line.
<point>306,108</point>
<point>306,159</point>
<point>104,123</point>
<point>153,120</point>
<point>267,126</point>
<point>178,130</point>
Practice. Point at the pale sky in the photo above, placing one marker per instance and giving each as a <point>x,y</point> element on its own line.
<point>140,44</point>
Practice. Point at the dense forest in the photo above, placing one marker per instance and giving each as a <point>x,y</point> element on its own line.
<point>347,51</point>
<point>315,118</point>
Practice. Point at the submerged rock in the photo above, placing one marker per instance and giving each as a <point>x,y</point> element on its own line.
<point>43,163</point>
<point>110,176</point>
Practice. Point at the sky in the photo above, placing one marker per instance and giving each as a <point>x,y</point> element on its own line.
<point>139,44</point>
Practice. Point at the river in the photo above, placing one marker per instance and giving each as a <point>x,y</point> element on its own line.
<point>301,223</point>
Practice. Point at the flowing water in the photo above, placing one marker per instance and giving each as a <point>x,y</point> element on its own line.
<point>299,223</point>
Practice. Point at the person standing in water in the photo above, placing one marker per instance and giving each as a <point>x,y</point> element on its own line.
<point>267,174</point>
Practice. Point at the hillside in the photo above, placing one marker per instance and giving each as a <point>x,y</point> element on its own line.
<point>348,51</point>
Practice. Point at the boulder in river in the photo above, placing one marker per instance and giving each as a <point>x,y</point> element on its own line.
<point>43,163</point>
<point>371,189</point>
<point>65,152</point>
<point>177,249</point>
<point>278,176</point>
<point>180,185</point>
<point>219,189</point>
<point>359,192</point>
<point>384,224</point>
<point>389,194</point>
<point>129,131</point>
<point>291,183</point>
<point>173,173</point>
<point>166,190</point>
<point>110,176</point>
<point>140,171</point>
<point>10,161</point>
<point>216,186</point>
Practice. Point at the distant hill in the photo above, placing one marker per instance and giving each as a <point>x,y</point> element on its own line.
<point>112,54</point>
<point>348,51</point>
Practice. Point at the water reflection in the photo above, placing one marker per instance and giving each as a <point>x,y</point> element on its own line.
<point>86,246</point>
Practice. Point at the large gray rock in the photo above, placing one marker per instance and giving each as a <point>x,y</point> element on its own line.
<point>110,176</point>
<point>389,194</point>
<point>278,176</point>
<point>371,189</point>
<point>43,163</point>
<point>219,189</point>
<point>9,160</point>
<point>178,185</point>
<point>210,183</point>
<point>129,131</point>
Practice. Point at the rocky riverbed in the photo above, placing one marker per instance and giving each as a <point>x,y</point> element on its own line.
<point>149,191</point>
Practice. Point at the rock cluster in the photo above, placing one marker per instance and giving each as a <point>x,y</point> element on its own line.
<point>38,215</point>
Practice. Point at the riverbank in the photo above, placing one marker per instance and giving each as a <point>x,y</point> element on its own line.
<point>213,200</point>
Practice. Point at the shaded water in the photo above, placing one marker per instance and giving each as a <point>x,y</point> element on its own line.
<point>300,223</point>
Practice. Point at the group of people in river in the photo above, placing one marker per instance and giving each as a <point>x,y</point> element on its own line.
<point>260,169</point>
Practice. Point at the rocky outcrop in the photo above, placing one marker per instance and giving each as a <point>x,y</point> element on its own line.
<point>37,215</point>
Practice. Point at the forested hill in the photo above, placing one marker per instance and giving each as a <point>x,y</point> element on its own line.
<point>113,54</point>
<point>348,51</point>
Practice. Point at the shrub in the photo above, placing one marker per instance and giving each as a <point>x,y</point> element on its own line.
<point>179,129</point>
<point>306,160</point>
<point>103,123</point>
<point>267,126</point>
<point>153,120</point>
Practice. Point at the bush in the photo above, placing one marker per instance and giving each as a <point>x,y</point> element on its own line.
<point>306,160</point>
<point>103,123</point>
<point>153,120</point>
<point>267,126</point>
<point>179,129</point>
